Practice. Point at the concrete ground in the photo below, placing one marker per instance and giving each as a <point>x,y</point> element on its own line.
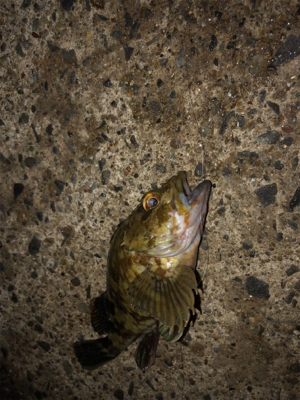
<point>101,100</point>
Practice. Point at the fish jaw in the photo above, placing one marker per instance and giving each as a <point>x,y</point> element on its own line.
<point>188,212</point>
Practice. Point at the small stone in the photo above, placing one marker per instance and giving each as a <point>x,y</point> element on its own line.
<point>24,119</point>
<point>34,246</point>
<point>292,270</point>
<point>133,141</point>
<point>168,362</point>
<point>161,167</point>
<point>288,51</point>
<point>274,107</point>
<point>286,142</point>
<point>117,35</point>
<point>130,388</point>
<point>38,328</point>
<point>267,194</point>
<point>175,143</point>
<point>225,121</point>
<point>290,297</point>
<point>67,367</point>
<point>105,177</point>
<point>149,383</point>
<point>119,394</point>
<point>67,4</point>
<point>241,120</point>
<point>221,210</point>
<point>31,162</point>
<point>59,186</point>
<point>173,94</point>
<point>261,330</point>
<point>231,45</point>
<point>75,281</point>
<point>200,170</point>
<point>262,96</point>
<point>10,287</point>
<point>295,200</point>
<point>94,186</point>
<point>270,137</point>
<point>155,106</point>
<point>19,50</point>
<point>25,4</point>
<point>18,189</point>
<point>128,52</point>
<point>44,345</point>
<point>52,206</point>
<point>102,163</point>
<point>181,59</point>
<point>34,275</point>
<point>69,56</point>
<point>14,297</point>
<point>213,43</point>
<point>247,244</point>
<point>107,83</point>
<point>160,83</point>
<point>134,29</point>
<point>279,236</point>
<point>128,19</point>
<point>278,165</point>
<point>292,224</point>
<point>257,288</point>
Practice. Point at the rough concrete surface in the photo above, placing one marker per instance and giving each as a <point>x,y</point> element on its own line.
<point>100,101</point>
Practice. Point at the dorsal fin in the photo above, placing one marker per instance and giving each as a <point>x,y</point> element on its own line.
<point>167,295</point>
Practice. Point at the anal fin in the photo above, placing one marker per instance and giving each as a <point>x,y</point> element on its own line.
<point>100,314</point>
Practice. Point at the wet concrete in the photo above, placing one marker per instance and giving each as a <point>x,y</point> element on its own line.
<point>99,102</point>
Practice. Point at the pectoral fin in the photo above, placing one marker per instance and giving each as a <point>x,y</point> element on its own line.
<point>167,295</point>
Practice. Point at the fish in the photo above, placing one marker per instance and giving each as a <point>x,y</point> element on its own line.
<point>152,284</point>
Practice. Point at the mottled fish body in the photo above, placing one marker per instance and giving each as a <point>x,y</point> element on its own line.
<point>152,285</point>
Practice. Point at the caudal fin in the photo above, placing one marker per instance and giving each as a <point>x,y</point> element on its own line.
<point>93,353</point>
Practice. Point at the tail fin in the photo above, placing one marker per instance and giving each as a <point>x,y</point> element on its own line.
<point>94,353</point>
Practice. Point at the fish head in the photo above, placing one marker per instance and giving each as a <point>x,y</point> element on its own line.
<point>169,219</point>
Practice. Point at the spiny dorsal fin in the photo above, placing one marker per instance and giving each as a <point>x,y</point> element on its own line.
<point>167,295</point>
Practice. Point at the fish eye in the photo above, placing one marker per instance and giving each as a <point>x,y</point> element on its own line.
<point>151,200</point>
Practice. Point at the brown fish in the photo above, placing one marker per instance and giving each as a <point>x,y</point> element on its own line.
<point>152,285</point>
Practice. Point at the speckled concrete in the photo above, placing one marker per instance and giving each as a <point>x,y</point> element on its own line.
<point>102,100</point>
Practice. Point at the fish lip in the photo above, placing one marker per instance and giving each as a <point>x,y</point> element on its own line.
<point>200,193</point>
<point>197,192</point>
<point>184,184</point>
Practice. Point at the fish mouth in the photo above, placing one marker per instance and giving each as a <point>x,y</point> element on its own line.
<point>194,201</point>
<point>189,209</point>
